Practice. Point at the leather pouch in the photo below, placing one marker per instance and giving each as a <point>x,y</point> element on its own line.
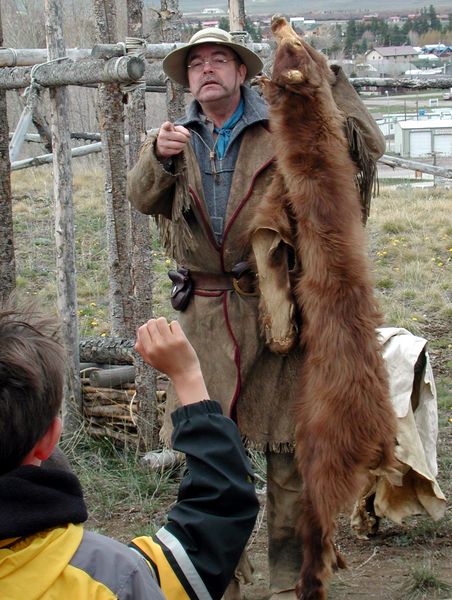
<point>182,289</point>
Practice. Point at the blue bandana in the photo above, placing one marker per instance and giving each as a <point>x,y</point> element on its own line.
<point>224,132</point>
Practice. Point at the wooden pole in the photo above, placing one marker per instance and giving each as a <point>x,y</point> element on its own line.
<point>64,224</point>
<point>10,57</point>
<point>66,72</point>
<point>404,83</point>
<point>171,32</point>
<point>45,159</point>
<point>142,275</point>
<point>236,15</point>
<point>7,258</point>
<point>403,163</point>
<point>110,109</point>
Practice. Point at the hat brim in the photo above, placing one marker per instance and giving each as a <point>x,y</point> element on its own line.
<point>175,63</point>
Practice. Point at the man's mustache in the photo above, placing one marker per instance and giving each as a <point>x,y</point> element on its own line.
<point>209,79</point>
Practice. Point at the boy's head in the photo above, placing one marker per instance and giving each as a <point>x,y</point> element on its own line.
<point>31,381</point>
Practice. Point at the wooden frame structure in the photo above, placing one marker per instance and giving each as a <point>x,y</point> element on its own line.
<point>132,67</point>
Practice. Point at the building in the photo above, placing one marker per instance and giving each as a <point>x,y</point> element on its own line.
<point>393,53</point>
<point>212,11</point>
<point>414,139</point>
<point>391,61</point>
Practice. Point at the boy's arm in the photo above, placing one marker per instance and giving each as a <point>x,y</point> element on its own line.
<point>195,554</point>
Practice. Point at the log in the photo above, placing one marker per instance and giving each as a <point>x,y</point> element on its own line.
<point>394,161</point>
<point>126,69</point>
<point>7,256</point>
<point>108,410</point>
<point>45,159</point>
<point>23,57</point>
<point>112,377</point>
<point>159,51</point>
<point>407,83</point>
<point>162,460</point>
<point>64,227</point>
<point>11,57</point>
<point>104,431</point>
<point>93,394</point>
<point>75,135</point>
<point>107,350</point>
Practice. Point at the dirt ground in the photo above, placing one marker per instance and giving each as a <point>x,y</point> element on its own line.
<point>386,567</point>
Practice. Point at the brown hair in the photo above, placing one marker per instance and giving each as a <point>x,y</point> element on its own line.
<point>31,380</point>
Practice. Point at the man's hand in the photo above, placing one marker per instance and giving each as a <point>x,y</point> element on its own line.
<point>171,140</point>
<point>165,347</point>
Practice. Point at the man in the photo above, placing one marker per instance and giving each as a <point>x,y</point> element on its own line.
<point>203,178</point>
<point>44,550</point>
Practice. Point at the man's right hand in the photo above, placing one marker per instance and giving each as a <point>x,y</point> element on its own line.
<point>171,140</point>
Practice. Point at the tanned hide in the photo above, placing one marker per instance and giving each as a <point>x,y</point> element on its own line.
<point>345,421</point>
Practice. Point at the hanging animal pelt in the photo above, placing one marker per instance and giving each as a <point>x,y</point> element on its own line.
<point>345,422</point>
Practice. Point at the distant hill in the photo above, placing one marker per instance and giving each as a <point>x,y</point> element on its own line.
<point>328,7</point>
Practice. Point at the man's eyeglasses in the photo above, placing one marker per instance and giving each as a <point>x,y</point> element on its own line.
<point>197,64</point>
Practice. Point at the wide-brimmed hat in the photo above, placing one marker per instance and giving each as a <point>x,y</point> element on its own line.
<point>175,63</point>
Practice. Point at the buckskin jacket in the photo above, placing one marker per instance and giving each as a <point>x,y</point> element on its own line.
<point>45,552</point>
<point>255,386</point>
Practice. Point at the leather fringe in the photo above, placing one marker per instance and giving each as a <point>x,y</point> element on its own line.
<point>275,447</point>
<point>175,233</point>
<point>367,176</point>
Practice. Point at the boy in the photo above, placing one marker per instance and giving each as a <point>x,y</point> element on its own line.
<point>44,550</point>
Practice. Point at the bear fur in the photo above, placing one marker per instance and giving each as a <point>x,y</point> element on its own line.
<point>345,421</point>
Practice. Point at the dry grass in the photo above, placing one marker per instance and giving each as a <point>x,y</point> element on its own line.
<point>35,252</point>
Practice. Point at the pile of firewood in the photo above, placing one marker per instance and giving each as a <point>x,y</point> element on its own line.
<point>109,403</point>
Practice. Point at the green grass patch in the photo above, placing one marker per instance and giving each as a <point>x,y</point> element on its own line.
<point>424,583</point>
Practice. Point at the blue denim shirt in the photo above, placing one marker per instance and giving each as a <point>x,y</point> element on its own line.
<point>217,174</point>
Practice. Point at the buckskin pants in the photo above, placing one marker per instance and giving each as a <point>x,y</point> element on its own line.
<point>283,511</point>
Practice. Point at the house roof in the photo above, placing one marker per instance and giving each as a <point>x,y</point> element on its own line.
<point>425,124</point>
<point>394,50</point>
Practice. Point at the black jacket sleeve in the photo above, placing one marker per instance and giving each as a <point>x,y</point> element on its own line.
<point>217,505</point>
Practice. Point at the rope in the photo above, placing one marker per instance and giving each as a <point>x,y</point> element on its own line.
<point>14,53</point>
<point>135,47</point>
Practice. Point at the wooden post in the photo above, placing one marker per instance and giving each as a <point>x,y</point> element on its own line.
<point>171,32</point>
<point>7,259</point>
<point>64,223</point>
<point>110,109</point>
<point>236,15</point>
<point>145,376</point>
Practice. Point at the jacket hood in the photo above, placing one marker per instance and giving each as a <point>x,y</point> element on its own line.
<point>36,498</point>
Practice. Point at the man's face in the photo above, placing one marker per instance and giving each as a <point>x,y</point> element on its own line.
<point>214,80</point>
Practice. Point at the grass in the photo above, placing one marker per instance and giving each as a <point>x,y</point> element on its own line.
<point>35,251</point>
<point>424,583</point>
<point>411,249</point>
<point>119,488</point>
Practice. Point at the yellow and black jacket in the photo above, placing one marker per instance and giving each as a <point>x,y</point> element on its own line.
<point>46,553</point>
